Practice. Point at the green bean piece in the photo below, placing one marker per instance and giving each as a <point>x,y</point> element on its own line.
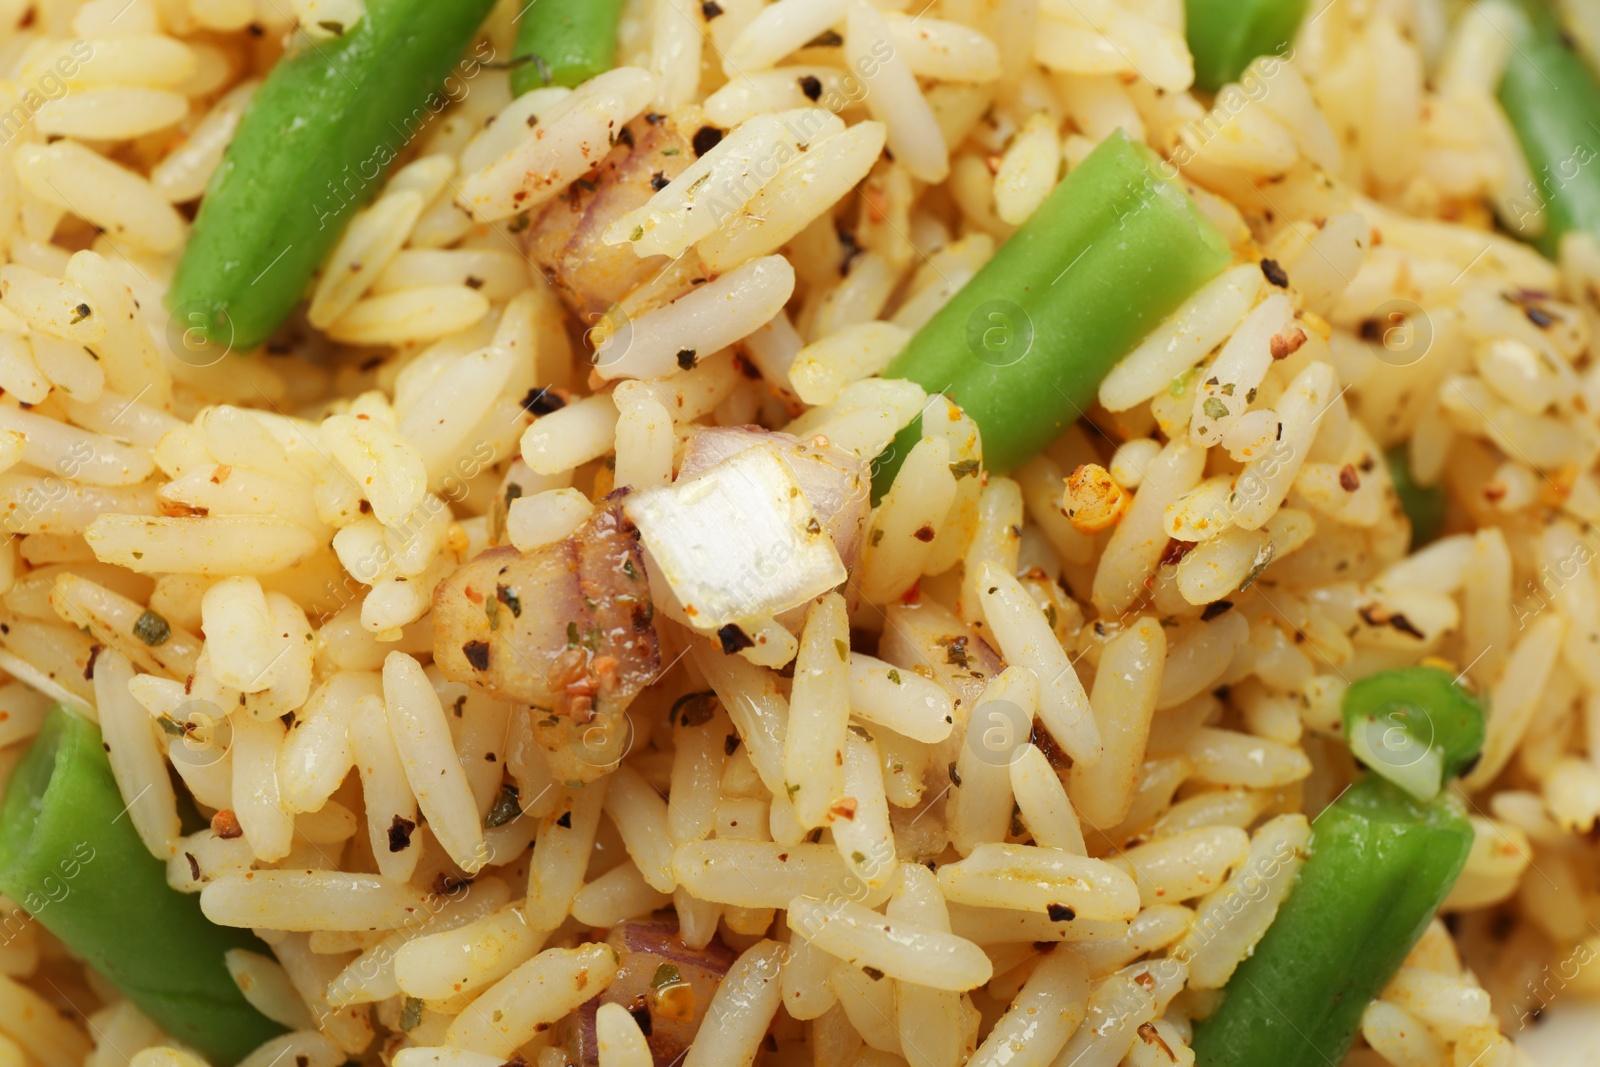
<point>1225,36</point>
<point>314,146</point>
<point>1414,726</point>
<point>70,856</point>
<point>1024,346</point>
<point>1424,505</point>
<point>1552,98</point>
<point>1381,863</point>
<point>564,42</point>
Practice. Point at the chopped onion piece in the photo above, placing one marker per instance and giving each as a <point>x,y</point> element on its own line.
<point>737,543</point>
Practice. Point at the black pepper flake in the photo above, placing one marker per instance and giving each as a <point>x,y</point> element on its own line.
<point>81,312</point>
<point>400,834</point>
<point>1371,330</point>
<point>1215,608</point>
<point>686,358</point>
<point>88,668</point>
<point>710,9</point>
<point>1060,913</point>
<point>543,401</point>
<point>826,39</point>
<point>1372,615</point>
<point>733,639</point>
<point>1349,480</point>
<point>509,599</point>
<point>565,822</point>
<point>955,778</point>
<point>730,744</point>
<point>924,533</point>
<point>152,629</point>
<point>1274,273</point>
<point>477,653</point>
<point>659,181</point>
<point>1539,316</point>
<point>653,118</point>
<point>641,1016</point>
<point>706,138</point>
<point>194,865</point>
<point>873,973</point>
<point>694,709</point>
<point>625,136</point>
<point>852,249</point>
<point>474,282</point>
<point>811,85</point>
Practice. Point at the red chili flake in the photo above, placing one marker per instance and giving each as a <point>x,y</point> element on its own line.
<point>225,824</point>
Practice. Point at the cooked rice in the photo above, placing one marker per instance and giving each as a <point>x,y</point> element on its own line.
<point>1157,616</point>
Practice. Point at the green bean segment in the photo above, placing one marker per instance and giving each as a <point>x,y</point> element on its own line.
<point>1024,346</point>
<point>1552,98</point>
<point>314,146</point>
<point>1225,36</point>
<point>70,856</point>
<point>1414,726</point>
<point>564,42</point>
<point>1381,864</point>
<point>1424,505</point>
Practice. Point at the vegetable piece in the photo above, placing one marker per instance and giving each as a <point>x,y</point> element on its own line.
<point>564,42</point>
<point>1552,98</point>
<point>1226,36</point>
<point>739,543</point>
<point>1424,505</point>
<point>1381,864</point>
<point>70,856</point>
<point>1023,347</point>
<point>1414,726</point>
<point>313,147</point>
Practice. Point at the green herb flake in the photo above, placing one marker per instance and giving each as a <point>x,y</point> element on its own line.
<point>81,312</point>
<point>572,635</point>
<point>858,858</point>
<point>507,806</point>
<point>669,151</point>
<point>894,676</point>
<point>637,234</point>
<point>666,974</point>
<point>509,599</point>
<point>1214,408</point>
<point>630,570</point>
<point>337,29</point>
<point>152,629</point>
<point>411,1014</point>
<point>964,468</point>
<point>170,726</point>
